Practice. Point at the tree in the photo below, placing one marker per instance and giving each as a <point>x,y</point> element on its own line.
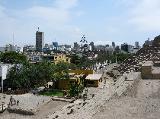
<point>17,77</point>
<point>61,71</point>
<point>121,57</point>
<point>13,57</point>
<point>75,59</point>
<point>76,87</point>
<point>41,73</point>
<point>102,56</point>
<point>82,62</point>
<point>29,76</point>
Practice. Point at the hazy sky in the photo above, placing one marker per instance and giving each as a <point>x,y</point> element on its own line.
<point>64,21</point>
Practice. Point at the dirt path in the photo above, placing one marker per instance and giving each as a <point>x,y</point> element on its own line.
<point>45,110</point>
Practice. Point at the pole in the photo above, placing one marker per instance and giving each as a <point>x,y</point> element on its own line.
<point>2,84</point>
<point>3,74</point>
<point>116,59</point>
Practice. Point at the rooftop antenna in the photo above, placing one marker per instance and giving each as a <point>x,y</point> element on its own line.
<point>38,28</point>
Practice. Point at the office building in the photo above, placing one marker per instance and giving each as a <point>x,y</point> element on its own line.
<point>91,46</point>
<point>39,41</point>
<point>137,45</point>
<point>55,45</point>
<point>113,44</point>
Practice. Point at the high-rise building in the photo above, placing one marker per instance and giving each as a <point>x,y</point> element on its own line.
<point>137,45</point>
<point>55,45</point>
<point>76,46</point>
<point>29,48</point>
<point>91,46</point>
<point>117,49</point>
<point>10,47</point>
<point>113,44</point>
<point>46,48</point>
<point>39,40</point>
<point>124,47</point>
<point>127,48</point>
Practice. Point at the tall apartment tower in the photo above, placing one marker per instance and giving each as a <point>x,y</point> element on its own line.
<point>137,45</point>
<point>39,40</point>
<point>113,44</point>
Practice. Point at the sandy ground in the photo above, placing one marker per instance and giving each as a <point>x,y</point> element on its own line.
<point>145,105</point>
<point>26,101</point>
<point>45,110</point>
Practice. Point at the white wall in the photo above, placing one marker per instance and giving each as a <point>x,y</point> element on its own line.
<point>4,70</point>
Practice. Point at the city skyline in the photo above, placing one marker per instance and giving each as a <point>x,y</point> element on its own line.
<point>65,21</point>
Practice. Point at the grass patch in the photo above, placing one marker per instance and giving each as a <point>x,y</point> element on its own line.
<point>52,93</point>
